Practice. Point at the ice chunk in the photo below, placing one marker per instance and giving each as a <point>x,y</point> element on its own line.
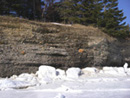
<point>46,74</point>
<point>89,71</point>
<point>73,72</point>
<point>125,67</point>
<point>46,71</point>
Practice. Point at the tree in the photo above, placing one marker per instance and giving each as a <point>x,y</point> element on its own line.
<point>68,11</point>
<point>91,11</point>
<point>52,14</point>
<point>23,8</point>
<point>49,4</point>
<point>3,7</point>
<point>112,18</point>
<point>81,11</point>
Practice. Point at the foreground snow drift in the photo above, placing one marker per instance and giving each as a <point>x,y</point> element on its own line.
<point>73,83</point>
<point>48,75</point>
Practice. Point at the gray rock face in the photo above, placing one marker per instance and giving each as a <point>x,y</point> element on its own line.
<point>67,47</point>
<point>125,49</point>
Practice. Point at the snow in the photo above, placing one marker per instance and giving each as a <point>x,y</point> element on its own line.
<point>7,84</point>
<point>73,72</point>
<point>90,71</point>
<point>61,24</point>
<point>60,96</point>
<point>49,82</point>
<point>125,67</point>
<point>60,73</point>
<point>46,71</point>
<point>110,70</point>
<point>46,74</point>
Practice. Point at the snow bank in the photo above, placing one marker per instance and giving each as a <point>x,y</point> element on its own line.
<point>30,78</point>
<point>49,75</point>
<point>110,70</point>
<point>17,82</point>
<point>128,71</point>
<point>73,72</point>
<point>7,83</point>
<point>119,71</point>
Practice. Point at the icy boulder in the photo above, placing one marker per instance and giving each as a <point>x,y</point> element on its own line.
<point>89,71</point>
<point>46,73</point>
<point>73,72</point>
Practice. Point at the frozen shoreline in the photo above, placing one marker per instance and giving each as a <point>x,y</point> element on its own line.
<point>49,82</point>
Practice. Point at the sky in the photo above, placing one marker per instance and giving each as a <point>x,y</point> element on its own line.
<point>125,5</point>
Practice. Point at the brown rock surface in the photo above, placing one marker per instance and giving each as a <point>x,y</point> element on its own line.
<point>25,45</point>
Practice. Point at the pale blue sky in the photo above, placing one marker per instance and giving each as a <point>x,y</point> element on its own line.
<point>125,5</point>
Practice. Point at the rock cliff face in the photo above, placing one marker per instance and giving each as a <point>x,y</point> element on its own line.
<point>25,45</point>
<point>125,49</point>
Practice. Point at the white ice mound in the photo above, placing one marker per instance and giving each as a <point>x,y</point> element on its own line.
<point>89,71</point>
<point>46,71</point>
<point>73,72</point>
<point>60,96</point>
<point>8,83</point>
<point>46,74</point>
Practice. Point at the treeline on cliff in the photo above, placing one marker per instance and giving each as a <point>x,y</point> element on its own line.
<point>104,14</point>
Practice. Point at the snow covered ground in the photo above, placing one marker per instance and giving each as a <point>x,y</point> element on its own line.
<point>48,82</point>
<point>61,24</point>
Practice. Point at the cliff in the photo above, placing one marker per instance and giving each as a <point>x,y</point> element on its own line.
<point>25,45</point>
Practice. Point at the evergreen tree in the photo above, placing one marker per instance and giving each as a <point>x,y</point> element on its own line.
<point>52,14</point>
<point>112,19</point>
<point>68,11</point>
<point>26,8</point>
<point>46,10</point>
<point>91,11</point>
<point>81,11</point>
<point>4,7</point>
